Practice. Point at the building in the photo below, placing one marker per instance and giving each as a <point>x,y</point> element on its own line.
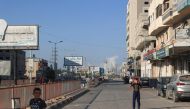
<point>17,64</point>
<point>170,24</point>
<point>137,33</point>
<point>35,64</point>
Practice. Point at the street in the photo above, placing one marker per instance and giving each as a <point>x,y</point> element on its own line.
<point>116,95</point>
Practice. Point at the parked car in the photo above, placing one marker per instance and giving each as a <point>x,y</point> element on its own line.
<point>179,87</point>
<point>161,85</point>
<point>126,79</point>
<point>144,81</point>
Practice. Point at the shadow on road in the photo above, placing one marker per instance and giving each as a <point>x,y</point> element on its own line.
<point>114,82</point>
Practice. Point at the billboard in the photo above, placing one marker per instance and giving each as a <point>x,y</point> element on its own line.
<point>5,68</point>
<point>20,37</point>
<point>73,61</point>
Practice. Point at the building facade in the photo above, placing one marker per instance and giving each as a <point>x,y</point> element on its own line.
<point>170,24</point>
<point>159,43</point>
<point>137,32</point>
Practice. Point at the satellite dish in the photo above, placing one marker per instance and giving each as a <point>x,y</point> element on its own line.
<point>3,27</point>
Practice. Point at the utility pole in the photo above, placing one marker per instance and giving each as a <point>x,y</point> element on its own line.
<point>145,52</point>
<point>55,53</point>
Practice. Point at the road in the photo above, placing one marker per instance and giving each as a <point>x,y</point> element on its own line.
<point>116,95</point>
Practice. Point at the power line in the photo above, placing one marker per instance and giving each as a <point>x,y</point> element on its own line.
<point>82,43</point>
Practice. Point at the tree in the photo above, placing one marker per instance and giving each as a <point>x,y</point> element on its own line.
<point>50,74</point>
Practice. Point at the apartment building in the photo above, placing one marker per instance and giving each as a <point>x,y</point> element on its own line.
<point>137,30</point>
<point>170,24</point>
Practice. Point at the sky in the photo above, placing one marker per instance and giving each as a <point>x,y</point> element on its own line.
<point>94,29</point>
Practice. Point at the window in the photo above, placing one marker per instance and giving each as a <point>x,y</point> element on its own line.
<point>146,3</point>
<point>154,45</point>
<point>166,5</point>
<point>159,11</point>
<point>145,11</point>
<point>7,58</point>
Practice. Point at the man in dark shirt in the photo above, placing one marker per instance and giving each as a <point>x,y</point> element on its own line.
<point>37,102</point>
<point>136,92</point>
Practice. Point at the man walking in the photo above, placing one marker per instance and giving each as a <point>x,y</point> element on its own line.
<point>136,91</point>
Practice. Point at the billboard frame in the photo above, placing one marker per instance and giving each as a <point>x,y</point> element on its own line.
<point>23,47</point>
<point>73,65</point>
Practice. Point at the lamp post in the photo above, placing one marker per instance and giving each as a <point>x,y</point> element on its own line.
<point>55,53</point>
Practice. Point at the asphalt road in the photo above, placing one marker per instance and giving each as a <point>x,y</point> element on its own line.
<point>116,95</point>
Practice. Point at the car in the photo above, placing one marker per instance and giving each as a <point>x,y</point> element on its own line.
<point>161,85</point>
<point>126,79</point>
<point>144,81</point>
<point>178,87</point>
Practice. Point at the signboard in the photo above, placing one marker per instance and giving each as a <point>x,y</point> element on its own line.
<point>183,33</point>
<point>73,61</point>
<point>164,52</point>
<point>5,68</point>
<point>20,37</point>
<point>150,55</point>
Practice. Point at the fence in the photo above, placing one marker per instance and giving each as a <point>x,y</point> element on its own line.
<point>24,93</point>
<point>5,83</point>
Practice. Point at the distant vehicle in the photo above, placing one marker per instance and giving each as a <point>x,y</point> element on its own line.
<point>179,87</point>
<point>161,85</point>
<point>144,81</point>
<point>126,79</point>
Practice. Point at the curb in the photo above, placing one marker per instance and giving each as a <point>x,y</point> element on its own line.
<point>67,100</point>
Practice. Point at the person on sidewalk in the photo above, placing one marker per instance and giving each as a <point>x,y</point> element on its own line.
<point>136,91</point>
<point>37,102</point>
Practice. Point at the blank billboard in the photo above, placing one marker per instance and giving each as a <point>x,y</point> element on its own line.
<point>20,37</point>
<point>73,61</point>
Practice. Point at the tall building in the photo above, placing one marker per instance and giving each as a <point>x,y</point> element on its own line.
<point>137,30</point>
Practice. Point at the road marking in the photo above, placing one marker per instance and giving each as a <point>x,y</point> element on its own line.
<point>94,98</point>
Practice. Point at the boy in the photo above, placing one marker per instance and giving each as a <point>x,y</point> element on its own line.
<point>136,91</point>
<point>37,102</point>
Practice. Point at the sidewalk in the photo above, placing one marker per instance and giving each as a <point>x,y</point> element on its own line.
<point>64,99</point>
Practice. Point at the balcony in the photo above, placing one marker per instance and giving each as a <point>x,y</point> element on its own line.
<point>140,41</point>
<point>156,26</point>
<point>143,21</point>
<point>178,12</point>
<point>167,16</point>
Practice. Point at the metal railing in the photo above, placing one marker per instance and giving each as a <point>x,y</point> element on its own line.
<point>167,13</point>
<point>24,93</point>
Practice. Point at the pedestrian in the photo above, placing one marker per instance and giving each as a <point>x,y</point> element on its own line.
<point>136,91</point>
<point>37,102</point>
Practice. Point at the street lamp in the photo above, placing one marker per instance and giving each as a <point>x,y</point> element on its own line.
<point>55,53</point>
